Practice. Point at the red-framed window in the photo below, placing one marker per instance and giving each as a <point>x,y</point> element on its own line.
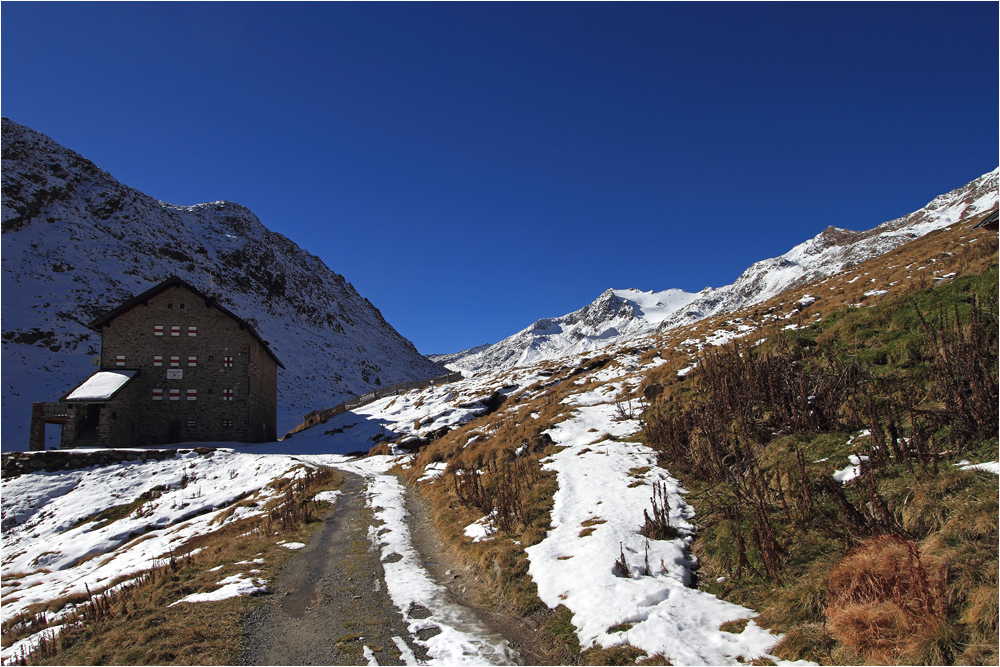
<point>227,394</point>
<point>192,331</point>
<point>227,362</point>
<point>157,329</point>
<point>157,359</point>
<point>175,362</point>
<point>175,394</point>
<point>192,394</point>
<point>190,423</point>
<point>192,361</point>
<point>175,330</point>
<point>157,394</point>
<point>119,360</point>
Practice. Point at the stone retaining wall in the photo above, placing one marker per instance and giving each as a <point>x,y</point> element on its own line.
<point>19,463</point>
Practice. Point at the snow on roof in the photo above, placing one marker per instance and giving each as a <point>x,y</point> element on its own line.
<point>100,386</point>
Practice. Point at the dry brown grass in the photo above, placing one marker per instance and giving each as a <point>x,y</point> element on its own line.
<point>885,601</point>
<point>137,625</point>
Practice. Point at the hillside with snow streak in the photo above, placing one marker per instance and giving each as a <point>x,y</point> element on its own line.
<point>77,243</point>
<point>619,315</point>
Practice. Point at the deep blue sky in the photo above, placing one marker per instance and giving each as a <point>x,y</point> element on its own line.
<point>473,167</point>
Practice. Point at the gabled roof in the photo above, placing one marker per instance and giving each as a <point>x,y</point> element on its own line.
<point>100,386</point>
<point>989,222</point>
<point>174,281</point>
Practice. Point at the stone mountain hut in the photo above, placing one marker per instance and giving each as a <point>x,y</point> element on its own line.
<point>175,366</point>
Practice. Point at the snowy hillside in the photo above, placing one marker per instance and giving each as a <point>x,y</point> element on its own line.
<point>835,250</point>
<point>618,315</point>
<point>614,316</point>
<point>77,243</point>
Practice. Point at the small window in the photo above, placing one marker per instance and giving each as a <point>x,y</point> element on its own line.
<point>157,329</point>
<point>192,394</point>
<point>157,394</point>
<point>175,394</point>
<point>119,360</point>
<point>157,359</point>
<point>175,362</point>
<point>190,423</point>
<point>227,394</point>
<point>227,362</point>
<point>175,330</point>
<point>192,331</point>
<point>211,357</point>
<point>227,422</point>
<point>192,361</point>
<point>170,306</point>
<point>182,306</point>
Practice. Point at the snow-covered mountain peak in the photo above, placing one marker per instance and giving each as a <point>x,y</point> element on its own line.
<point>615,314</point>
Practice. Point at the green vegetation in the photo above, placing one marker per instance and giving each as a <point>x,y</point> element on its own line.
<point>897,565</point>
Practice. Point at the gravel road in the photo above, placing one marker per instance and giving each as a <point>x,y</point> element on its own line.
<point>329,606</point>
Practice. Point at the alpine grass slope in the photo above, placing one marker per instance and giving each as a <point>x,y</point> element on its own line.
<point>77,243</point>
<point>618,315</point>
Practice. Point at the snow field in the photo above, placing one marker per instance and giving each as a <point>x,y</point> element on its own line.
<point>61,555</point>
<point>604,486</point>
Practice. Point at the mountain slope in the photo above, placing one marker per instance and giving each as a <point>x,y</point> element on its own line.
<point>77,243</point>
<point>621,314</point>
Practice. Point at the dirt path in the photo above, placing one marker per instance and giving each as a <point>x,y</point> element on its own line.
<point>467,589</point>
<point>330,603</point>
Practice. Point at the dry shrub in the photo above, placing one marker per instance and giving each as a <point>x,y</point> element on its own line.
<point>381,449</point>
<point>884,602</point>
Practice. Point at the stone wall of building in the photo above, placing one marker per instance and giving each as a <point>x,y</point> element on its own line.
<point>194,360</point>
<point>263,394</point>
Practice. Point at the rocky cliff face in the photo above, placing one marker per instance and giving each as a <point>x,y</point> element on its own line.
<point>621,314</point>
<point>76,243</point>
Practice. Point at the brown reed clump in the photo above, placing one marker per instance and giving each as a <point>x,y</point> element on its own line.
<point>885,602</point>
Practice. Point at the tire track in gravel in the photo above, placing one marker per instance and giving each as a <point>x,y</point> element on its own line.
<point>330,606</point>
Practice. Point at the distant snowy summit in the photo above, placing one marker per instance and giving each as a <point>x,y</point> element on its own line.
<point>76,243</point>
<point>618,315</point>
<point>614,315</point>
